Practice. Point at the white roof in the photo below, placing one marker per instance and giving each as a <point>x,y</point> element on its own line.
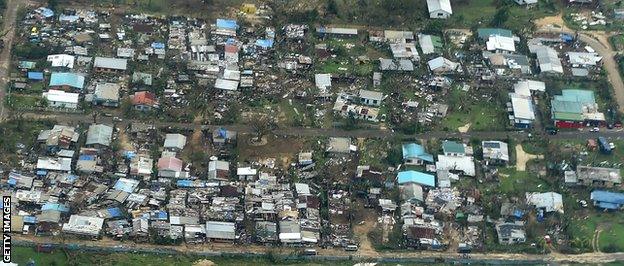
<point>61,96</point>
<point>498,42</point>
<point>302,189</point>
<point>84,225</point>
<point>437,5</point>
<point>493,149</point>
<point>394,35</point>
<point>175,141</point>
<point>375,95</point>
<point>399,65</point>
<point>343,31</point>
<point>246,171</point>
<point>62,60</point>
<point>442,64</point>
<point>99,134</point>
<point>323,81</point>
<point>224,84</point>
<point>111,63</point>
<point>426,43</point>
<point>231,74</point>
<point>550,201</point>
<point>456,163</point>
<point>582,58</point>
<point>54,164</point>
<point>547,57</point>
<point>522,107</point>
<point>525,87</point>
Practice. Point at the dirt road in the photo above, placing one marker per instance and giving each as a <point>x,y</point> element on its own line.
<point>8,24</point>
<point>217,249</point>
<point>523,157</point>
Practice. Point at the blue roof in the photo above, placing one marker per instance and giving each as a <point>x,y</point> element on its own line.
<point>608,206</point>
<point>227,24</point>
<point>449,146</point>
<point>35,75</point>
<point>158,45</point>
<point>69,18</point>
<point>416,177</point>
<point>12,181</point>
<point>129,154</point>
<point>114,212</point>
<point>42,172</point>
<point>267,43</point>
<point>184,183</point>
<point>413,150</point>
<point>54,207</point>
<point>46,12</point>
<point>230,41</point>
<point>124,185</point>
<point>607,199</point>
<point>30,219</point>
<point>161,215</point>
<point>86,157</point>
<point>67,79</point>
<point>71,178</point>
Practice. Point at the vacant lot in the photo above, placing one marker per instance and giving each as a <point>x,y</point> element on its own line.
<point>24,255</point>
<point>481,114</point>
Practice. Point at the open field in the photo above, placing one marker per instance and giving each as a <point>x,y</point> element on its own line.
<point>24,255</point>
<point>480,115</point>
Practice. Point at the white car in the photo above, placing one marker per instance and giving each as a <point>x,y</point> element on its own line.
<point>594,129</point>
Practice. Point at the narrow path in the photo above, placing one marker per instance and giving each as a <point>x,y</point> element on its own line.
<point>596,240</point>
<point>8,24</point>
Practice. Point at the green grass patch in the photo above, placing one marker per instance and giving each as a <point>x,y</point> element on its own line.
<point>617,41</point>
<point>23,255</point>
<point>18,101</point>
<point>516,182</point>
<point>583,228</point>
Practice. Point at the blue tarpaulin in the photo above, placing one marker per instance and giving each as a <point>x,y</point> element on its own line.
<point>567,37</point>
<point>114,212</point>
<point>30,219</point>
<point>46,12</point>
<point>265,43</point>
<point>161,215</point>
<point>227,24</point>
<point>54,207</point>
<point>71,178</point>
<point>42,172</point>
<point>184,183</point>
<point>35,75</point>
<point>129,154</point>
<point>68,18</point>
<point>158,45</point>
<point>86,157</point>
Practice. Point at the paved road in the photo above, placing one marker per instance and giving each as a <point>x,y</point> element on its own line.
<point>334,132</point>
<point>10,17</point>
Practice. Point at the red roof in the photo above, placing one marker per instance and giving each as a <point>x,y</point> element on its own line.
<point>170,163</point>
<point>144,98</point>
<point>231,48</point>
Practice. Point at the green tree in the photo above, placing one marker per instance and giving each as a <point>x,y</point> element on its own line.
<point>501,17</point>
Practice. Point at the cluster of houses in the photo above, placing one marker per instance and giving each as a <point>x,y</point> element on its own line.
<point>90,182</point>
<point>80,185</point>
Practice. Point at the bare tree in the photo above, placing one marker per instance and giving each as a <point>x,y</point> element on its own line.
<point>261,125</point>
